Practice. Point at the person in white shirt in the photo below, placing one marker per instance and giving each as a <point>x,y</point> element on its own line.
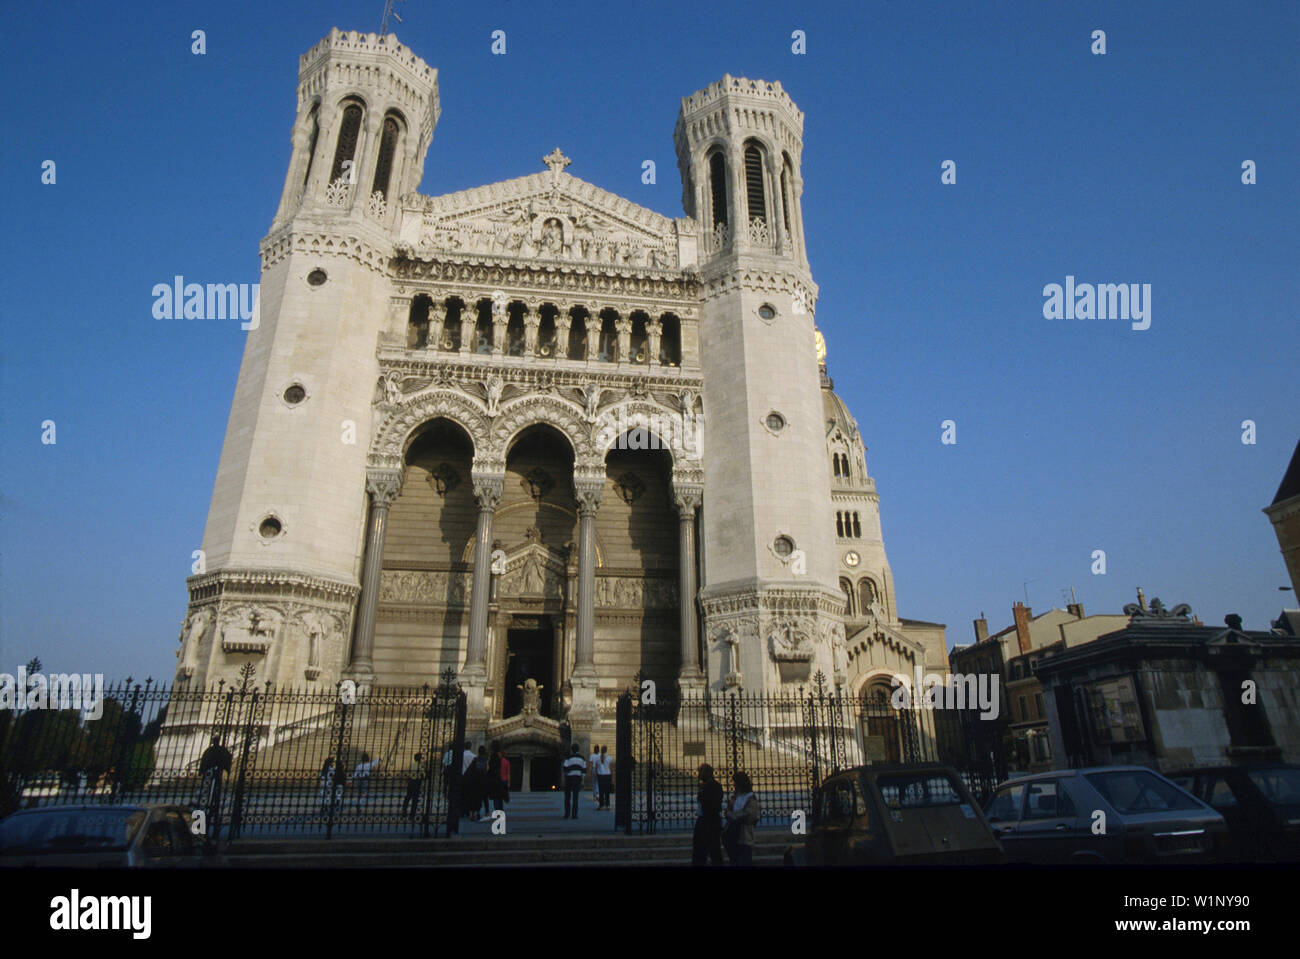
<point>361,776</point>
<point>591,769</point>
<point>574,768</point>
<point>604,776</point>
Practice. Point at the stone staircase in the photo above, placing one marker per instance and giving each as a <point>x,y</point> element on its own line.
<point>536,835</point>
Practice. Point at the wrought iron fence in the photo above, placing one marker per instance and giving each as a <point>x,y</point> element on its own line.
<point>257,760</point>
<point>786,744</point>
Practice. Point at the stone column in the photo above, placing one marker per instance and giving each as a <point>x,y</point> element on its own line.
<point>487,490</point>
<point>690,678</point>
<point>383,486</point>
<point>739,203</point>
<point>654,334</point>
<point>365,159</point>
<point>473,678</point>
<point>437,316</point>
<point>532,320</point>
<point>326,143</point>
<point>583,680</point>
<point>624,326</point>
<point>468,320</point>
<point>775,215</point>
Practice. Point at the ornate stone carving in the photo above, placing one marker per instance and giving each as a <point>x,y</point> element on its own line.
<point>532,695</point>
<point>431,587</point>
<point>488,491</point>
<point>629,487</point>
<point>791,640</point>
<point>588,498</point>
<point>537,483</point>
<point>383,486</point>
<point>1156,612</point>
<point>443,479</point>
<point>250,629</point>
<point>591,394</point>
<point>687,499</point>
<point>493,388</point>
<point>629,592</point>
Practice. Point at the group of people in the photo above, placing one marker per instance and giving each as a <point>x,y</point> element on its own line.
<point>333,777</point>
<point>732,827</point>
<point>599,765</point>
<point>485,779</point>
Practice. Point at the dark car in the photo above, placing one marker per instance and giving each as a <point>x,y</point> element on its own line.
<point>1261,804</point>
<point>150,836</point>
<point>915,814</point>
<point>1103,814</point>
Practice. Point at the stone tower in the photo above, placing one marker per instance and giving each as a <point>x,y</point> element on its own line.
<point>288,513</point>
<point>772,607</point>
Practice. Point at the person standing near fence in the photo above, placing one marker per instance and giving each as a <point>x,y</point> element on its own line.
<point>706,843</point>
<point>362,777</point>
<point>215,761</point>
<point>574,767</point>
<point>414,783</point>
<point>741,816</point>
<point>604,776</point>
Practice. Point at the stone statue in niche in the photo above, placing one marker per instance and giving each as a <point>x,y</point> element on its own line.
<point>552,239</point>
<point>591,394</point>
<point>531,579</point>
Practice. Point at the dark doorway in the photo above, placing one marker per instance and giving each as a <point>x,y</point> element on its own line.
<point>529,655</point>
<point>545,774</point>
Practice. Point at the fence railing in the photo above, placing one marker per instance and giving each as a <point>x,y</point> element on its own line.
<point>255,759</point>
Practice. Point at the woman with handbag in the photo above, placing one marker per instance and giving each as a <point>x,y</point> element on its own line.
<point>741,816</point>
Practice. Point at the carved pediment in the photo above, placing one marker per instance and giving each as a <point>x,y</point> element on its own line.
<point>549,216</point>
<point>533,572</point>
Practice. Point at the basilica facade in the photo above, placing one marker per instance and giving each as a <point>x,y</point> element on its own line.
<point>536,433</point>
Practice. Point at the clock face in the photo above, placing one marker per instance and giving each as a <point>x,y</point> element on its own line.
<point>851,558</point>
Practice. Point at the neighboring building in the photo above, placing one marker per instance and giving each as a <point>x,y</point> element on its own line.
<point>1013,655</point>
<point>1169,692</point>
<point>469,431</point>
<point>1284,514</point>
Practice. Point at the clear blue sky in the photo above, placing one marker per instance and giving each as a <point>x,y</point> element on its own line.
<point>1072,435</point>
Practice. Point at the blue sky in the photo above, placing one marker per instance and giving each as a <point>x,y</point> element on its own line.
<point>1071,435</point>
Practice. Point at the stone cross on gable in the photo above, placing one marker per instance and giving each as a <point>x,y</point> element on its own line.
<point>556,162</point>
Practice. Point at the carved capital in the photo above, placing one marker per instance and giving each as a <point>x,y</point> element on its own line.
<point>623,325</point>
<point>488,490</point>
<point>383,486</point>
<point>588,497</point>
<point>688,500</point>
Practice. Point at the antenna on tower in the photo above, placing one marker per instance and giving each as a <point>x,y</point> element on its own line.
<point>389,12</point>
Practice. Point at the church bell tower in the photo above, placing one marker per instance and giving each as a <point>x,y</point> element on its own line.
<point>280,571</point>
<point>772,609</point>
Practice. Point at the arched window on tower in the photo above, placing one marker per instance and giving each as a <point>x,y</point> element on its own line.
<point>850,607</point>
<point>787,194</point>
<point>857,526</point>
<point>839,524</point>
<point>718,187</point>
<point>638,345</point>
<point>869,593</point>
<point>313,124</point>
<point>346,150</point>
<point>576,348</point>
<point>755,195</point>
<point>384,162</point>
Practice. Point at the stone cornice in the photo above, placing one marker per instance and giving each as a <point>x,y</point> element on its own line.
<point>280,583</point>
<point>756,273</point>
<point>329,239</point>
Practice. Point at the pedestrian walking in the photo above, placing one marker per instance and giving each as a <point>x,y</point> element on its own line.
<point>604,776</point>
<point>487,783</point>
<point>574,767</point>
<point>706,843</point>
<point>414,783</point>
<point>591,771</point>
<point>361,775</point>
<point>499,777</point>
<point>741,816</point>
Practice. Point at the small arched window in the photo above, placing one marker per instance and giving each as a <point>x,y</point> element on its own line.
<point>839,524</point>
<point>857,526</point>
<point>787,188</point>
<point>846,587</point>
<point>384,164</point>
<point>754,193</point>
<point>313,123</point>
<point>346,150</point>
<point>718,187</point>
<point>869,593</point>
<point>417,323</point>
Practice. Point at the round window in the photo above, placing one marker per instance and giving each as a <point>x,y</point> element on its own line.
<point>775,422</point>
<point>783,545</point>
<point>295,394</point>
<point>767,311</point>
<point>270,528</point>
<point>317,277</point>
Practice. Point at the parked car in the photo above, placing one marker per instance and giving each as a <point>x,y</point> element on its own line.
<point>1260,803</point>
<point>1103,814</point>
<point>148,836</point>
<point>914,814</point>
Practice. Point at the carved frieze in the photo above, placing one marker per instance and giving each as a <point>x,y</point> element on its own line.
<point>424,587</point>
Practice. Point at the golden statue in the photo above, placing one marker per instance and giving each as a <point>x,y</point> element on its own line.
<point>821,346</point>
